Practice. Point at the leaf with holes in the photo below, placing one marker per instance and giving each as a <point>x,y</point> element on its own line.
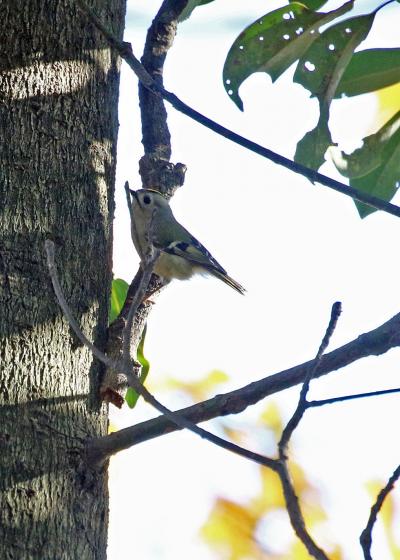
<point>313,4</point>
<point>272,43</point>
<point>320,71</point>
<point>370,70</point>
<point>119,289</point>
<point>323,65</point>
<point>375,150</point>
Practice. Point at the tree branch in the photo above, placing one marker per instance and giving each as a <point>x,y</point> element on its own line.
<point>295,514</point>
<point>303,404</point>
<point>125,51</point>
<point>160,37</point>
<point>373,343</point>
<point>332,400</point>
<point>292,501</point>
<point>366,535</point>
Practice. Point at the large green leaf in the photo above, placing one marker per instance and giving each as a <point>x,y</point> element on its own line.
<point>190,6</point>
<point>375,150</point>
<point>382,182</point>
<point>119,289</point>
<point>320,71</point>
<point>313,4</point>
<point>370,70</point>
<point>131,396</point>
<point>321,68</point>
<point>375,167</point>
<point>273,42</point>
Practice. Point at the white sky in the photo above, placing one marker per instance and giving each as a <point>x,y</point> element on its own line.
<point>297,248</point>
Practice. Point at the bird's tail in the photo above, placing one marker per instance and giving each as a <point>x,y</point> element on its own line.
<point>230,281</point>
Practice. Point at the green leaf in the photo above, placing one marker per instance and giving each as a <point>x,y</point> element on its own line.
<point>320,70</point>
<point>313,4</point>
<point>119,289</point>
<point>374,168</point>
<point>370,70</point>
<point>132,396</point>
<point>382,182</point>
<point>311,148</point>
<point>272,43</point>
<point>190,6</point>
<point>375,150</point>
<point>323,65</point>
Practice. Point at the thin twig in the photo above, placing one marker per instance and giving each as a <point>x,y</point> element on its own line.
<point>295,513</point>
<point>292,501</point>
<point>125,51</point>
<point>302,404</point>
<point>49,247</point>
<point>366,535</point>
<point>147,271</point>
<point>182,422</point>
<point>332,400</point>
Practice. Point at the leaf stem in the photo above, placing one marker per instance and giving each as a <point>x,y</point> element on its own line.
<point>383,5</point>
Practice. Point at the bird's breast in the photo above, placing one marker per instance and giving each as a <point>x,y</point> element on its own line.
<point>172,266</point>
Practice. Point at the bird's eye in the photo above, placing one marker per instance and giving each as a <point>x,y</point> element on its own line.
<point>146,199</point>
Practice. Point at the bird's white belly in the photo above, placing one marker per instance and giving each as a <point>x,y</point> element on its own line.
<point>172,266</point>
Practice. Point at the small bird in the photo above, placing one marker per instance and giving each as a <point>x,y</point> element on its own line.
<point>181,255</point>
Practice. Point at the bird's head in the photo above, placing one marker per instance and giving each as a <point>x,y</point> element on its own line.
<point>149,200</point>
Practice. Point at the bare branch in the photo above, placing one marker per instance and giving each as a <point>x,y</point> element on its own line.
<point>147,271</point>
<point>292,501</point>
<point>125,51</point>
<point>159,39</point>
<point>332,400</point>
<point>366,535</point>
<point>49,246</point>
<point>372,343</point>
<point>302,404</point>
<point>295,514</point>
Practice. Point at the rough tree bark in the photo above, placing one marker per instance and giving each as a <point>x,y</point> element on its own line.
<point>58,120</point>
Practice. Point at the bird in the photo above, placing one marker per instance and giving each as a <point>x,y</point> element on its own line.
<point>181,254</point>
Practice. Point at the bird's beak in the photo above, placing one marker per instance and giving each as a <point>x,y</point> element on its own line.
<point>135,197</point>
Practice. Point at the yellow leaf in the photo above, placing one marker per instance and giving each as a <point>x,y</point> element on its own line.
<point>388,104</point>
<point>271,418</point>
<point>271,495</point>
<point>230,529</point>
<point>238,436</point>
<point>201,389</point>
<point>299,478</point>
<point>112,428</point>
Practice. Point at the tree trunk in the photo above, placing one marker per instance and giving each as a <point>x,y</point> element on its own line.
<point>58,122</point>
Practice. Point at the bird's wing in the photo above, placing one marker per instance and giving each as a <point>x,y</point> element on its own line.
<point>194,252</point>
<point>176,240</point>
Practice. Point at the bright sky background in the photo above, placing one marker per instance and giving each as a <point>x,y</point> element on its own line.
<point>297,248</point>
